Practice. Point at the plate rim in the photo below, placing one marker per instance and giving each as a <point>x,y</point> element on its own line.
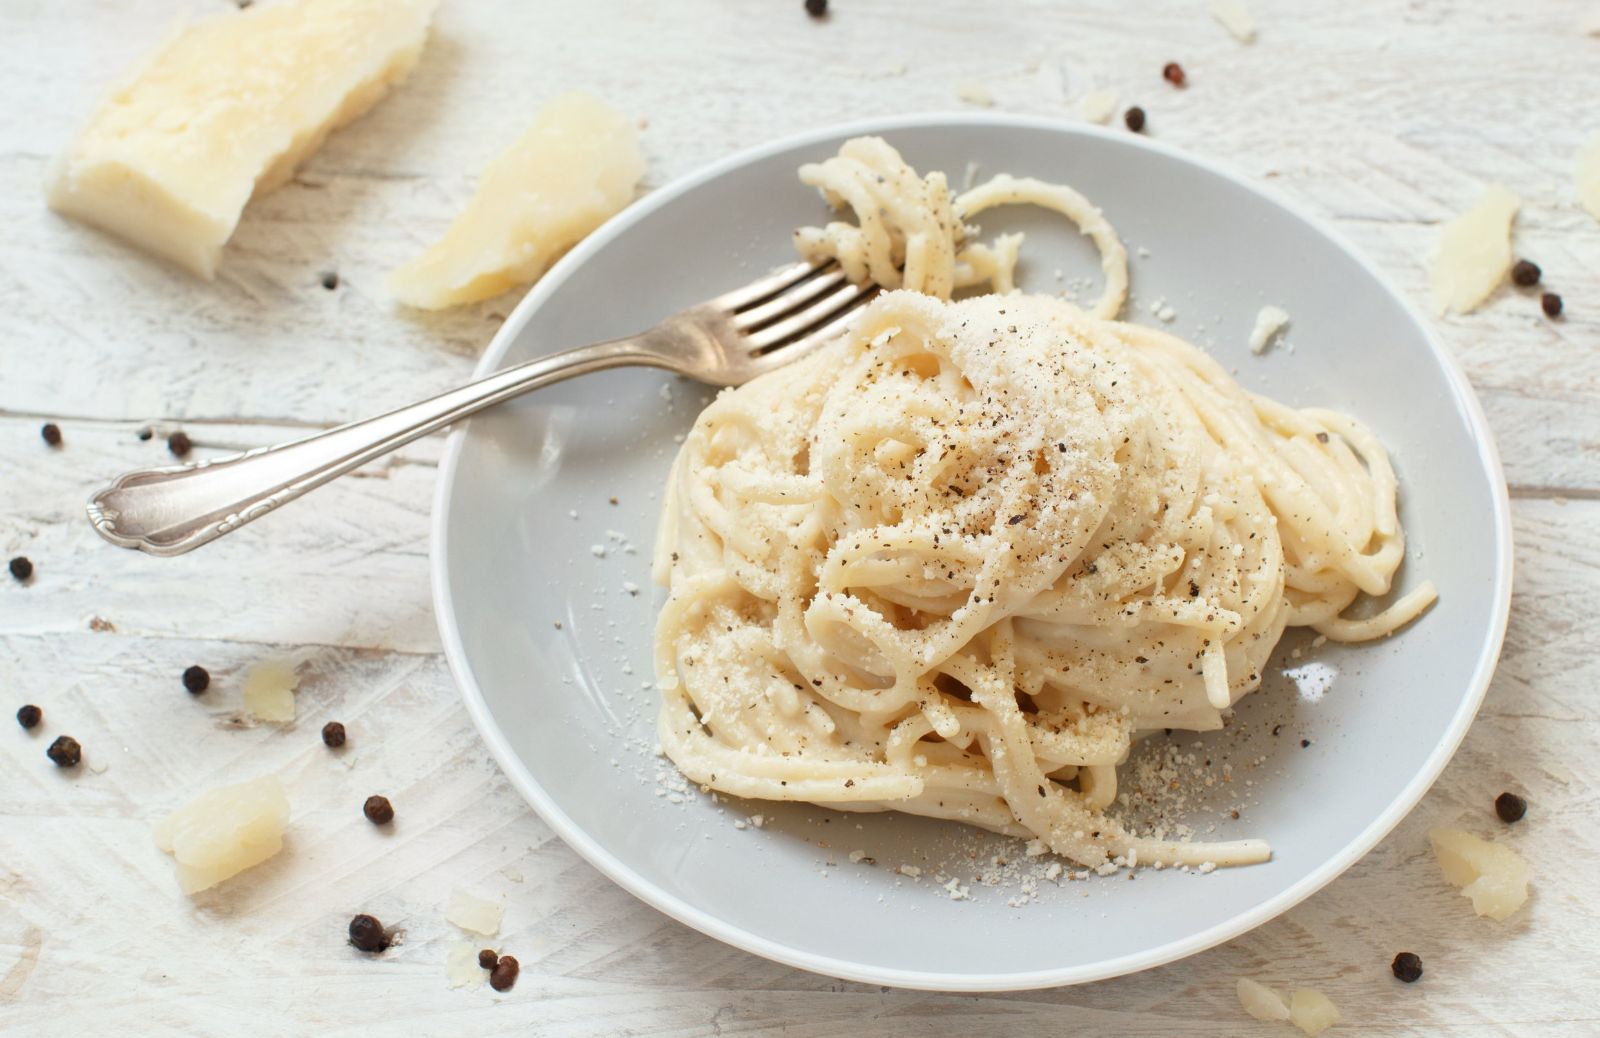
<point>739,937</point>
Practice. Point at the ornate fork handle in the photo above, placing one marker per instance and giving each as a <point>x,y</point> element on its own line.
<point>168,511</point>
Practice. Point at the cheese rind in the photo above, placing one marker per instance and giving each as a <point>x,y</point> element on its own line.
<point>226,110</point>
<point>575,168</point>
<point>224,832</point>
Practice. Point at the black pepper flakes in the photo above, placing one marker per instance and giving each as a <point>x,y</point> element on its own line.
<point>1172,72</point>
<point>179,443</point>
<point>21,568</point>
<point>196,679</point>
<point>1134,118</point>
<point>330,280</point>
<point>378,810</point>
<point>1322,437</point>
<point>1407,966</point>
<point>1526,273</point>
<point>487,958</point>
<point>817,8</point>
<point>1014,520</point>
<point>29,716</point>
<point>1550,303</point>
<point>50,432</point>
<point>1305,743</point>
<point>65,752</point>
<point>1510,807</point>
<point>504,974</point>
<point>367,934</point>
<point>333,735</point>
<point>146,433</point>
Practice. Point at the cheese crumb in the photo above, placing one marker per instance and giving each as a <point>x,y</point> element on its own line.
<point>972,92</point>
<point>1236,18</point>
<point>1260,1001</point>
<point>1098,106</point>
<point>910,870</point>
<point>475,914</point>
<point>1494,876</point>
<point>1312,1011</point>
<point>269,692</point>
<point>1588,175</point>
<point>461,966</point>
<point>1269,322</point>
<point>224,832</point>
<point>1474,252</point>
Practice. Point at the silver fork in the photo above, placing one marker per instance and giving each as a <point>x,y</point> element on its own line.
<point>724,341</point>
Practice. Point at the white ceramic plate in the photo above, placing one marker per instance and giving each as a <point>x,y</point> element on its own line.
<point>552,651</point>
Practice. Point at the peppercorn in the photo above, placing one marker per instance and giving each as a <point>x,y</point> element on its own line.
<point>65,752</point>
<point>21,567</point>
<point>1510,807</point>
<point>179,443</point>
<point>1551,304</point>
<point>29,716</point>
<point>367,935</point>
<point>487,958</point>
<point>333,735</point>
<point>1172,72</point>
<point>817,8</point>
<point>1134,117</point>
<point>1525,273</point>
<point>51,433</point>
<point>196,679</point>
<point>504,973</point>
<point>378,810</point>
<point>1407,967</point>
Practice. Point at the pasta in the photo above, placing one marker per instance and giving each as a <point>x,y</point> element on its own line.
<point>958,560</point>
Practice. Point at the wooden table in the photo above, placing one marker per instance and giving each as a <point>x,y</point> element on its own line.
<point>1384,117</point>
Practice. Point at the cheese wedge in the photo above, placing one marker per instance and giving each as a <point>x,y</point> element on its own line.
<point>224,832</point>
<point>571,171</point>
<point>227,109</point>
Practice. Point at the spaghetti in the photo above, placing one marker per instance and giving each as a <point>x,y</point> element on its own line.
<point>957,561</point>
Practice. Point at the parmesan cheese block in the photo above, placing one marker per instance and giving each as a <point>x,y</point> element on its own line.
<point>1474,252</point>
<point>575,167</point>
<point>227,109</point>
<point>225,832</point>
<point>1589,176</point>
<point>1493,876</point>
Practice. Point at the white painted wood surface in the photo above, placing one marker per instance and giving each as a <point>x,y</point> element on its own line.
<point>1384,117</point>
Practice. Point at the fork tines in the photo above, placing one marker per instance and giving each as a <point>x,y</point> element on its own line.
<point>799,302</point>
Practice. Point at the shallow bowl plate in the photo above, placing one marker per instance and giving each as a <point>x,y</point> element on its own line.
<point>546,608</point>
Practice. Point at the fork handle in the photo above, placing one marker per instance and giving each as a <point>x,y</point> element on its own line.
<point>168,511</point>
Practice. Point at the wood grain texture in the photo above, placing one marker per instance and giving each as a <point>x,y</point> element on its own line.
<point>1384,117</point>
